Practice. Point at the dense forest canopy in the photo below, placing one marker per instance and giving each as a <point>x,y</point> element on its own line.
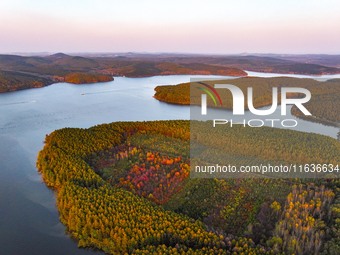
<point>124,188</point>
<point>12,81</point>
<point>83,78</point>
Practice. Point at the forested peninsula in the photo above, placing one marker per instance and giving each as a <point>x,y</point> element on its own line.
<point>124,188</point>
<point>324,104</point>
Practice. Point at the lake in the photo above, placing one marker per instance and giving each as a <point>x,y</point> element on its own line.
<point>28,216</point>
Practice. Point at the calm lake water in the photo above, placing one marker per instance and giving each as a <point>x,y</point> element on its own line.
<point>29,221</point>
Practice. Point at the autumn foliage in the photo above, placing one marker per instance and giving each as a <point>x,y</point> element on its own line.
<point>84,78</point>
<point>124,188</point>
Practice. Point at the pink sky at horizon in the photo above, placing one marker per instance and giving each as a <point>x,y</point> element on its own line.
<point>219,27</point>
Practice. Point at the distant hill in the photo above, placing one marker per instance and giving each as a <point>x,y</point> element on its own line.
<point>58,66</point>
<point>138,65</point>
<point>272,63</point>
<point>12,81</point>
<point>61,64</point>
<point>318,59</point>
<point>265,64</point>
<point>58,55</point>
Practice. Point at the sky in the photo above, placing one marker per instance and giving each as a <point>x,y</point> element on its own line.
<point>179,26</point>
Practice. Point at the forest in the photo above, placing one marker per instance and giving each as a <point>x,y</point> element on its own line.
<point>12,81</point>
<point>324,104</point>
<point>56,67</point>
<point>125,188</point>
<point>84,78</point>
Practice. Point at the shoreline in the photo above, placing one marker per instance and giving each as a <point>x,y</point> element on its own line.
<point>58,80</point>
